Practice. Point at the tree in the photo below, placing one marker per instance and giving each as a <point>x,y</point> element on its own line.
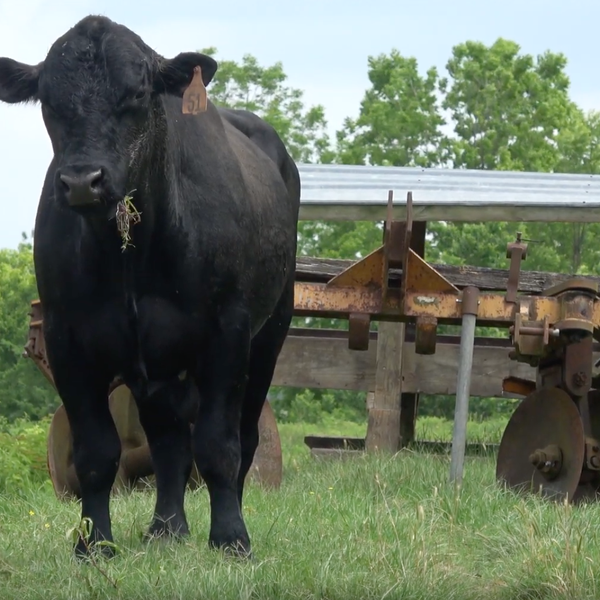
<point>263,90</point>
<point>574,244</point>
<point>399,122</point>
<point>508,108</point>
<point>23,389</point>
<point>513,112</point>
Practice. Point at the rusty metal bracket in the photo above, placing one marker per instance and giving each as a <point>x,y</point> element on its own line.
<point>358,331</point>
<point>372,272</point>
<point>364,273</point>
<point>531,339</point>
<point>592,454</point>
<point>577,367</point>
<point>418,275</point>
<point>517,252</point>
<point>35,348</point>
<point>577,298</point>
<point>425,334</point>
<point>518,386</point>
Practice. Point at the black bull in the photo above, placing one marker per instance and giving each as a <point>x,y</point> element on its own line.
<point>193,314</point>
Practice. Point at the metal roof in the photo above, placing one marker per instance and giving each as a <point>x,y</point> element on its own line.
<point>353,192</point>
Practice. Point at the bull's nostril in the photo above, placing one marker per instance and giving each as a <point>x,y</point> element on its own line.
<point>82,187</point>
<point>66,182</point>
<point>96,178</point>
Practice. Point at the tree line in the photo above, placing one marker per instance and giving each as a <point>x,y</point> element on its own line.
<point>494,108</point>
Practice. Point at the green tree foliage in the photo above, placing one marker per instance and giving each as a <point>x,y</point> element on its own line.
<point>24,391</point>
<point>507,107</point>
<point>495,108</point>
<point>263,90</point>
<point>508,111</point>
<point>399,123</point>
<point>513,112</point>
<point>572,246</point>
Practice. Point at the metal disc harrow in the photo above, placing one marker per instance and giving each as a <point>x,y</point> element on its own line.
<point>543,446</point>
<point>135,467</point>
<point>552,442</point>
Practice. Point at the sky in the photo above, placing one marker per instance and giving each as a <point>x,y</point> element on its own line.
<point>324,46</point>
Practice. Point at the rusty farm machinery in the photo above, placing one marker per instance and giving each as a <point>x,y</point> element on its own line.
<point>552,442</point>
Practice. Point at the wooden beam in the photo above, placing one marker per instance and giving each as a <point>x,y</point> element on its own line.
<point>383,426</point>
<point>327,363</point>
<point>532,282</point>
<point>409,404</point>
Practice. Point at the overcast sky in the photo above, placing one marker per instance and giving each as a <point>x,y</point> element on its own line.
<point>323,44</point>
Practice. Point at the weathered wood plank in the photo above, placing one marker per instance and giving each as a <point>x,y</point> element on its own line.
<point>316,362</point>
<point>532,282</point>
<point>342,447</point>
<point>334,453</point>
<point>408,417</point>
<point>383,425</point>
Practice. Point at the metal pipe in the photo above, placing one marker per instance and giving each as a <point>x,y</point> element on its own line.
<point>470,300</point>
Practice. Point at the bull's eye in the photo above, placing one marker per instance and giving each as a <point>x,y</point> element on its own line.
<point>140,95</point>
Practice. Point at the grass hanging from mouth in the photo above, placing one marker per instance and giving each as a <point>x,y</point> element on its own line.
<point>126,214</point>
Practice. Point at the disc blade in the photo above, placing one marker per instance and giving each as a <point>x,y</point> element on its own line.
<point>546,417</point>
<point>59,447</point>
<point>267,465</point>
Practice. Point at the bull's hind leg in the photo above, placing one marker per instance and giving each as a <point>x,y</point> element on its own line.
<point>222,384</point>
<point>166,423</point>
<point>264,352</point>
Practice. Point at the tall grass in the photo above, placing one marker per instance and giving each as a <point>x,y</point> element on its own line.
<point>368,527</point>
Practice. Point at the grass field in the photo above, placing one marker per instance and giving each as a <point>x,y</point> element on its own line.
<point>367,527</point>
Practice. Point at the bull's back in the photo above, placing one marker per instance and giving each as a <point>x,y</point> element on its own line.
<point>264,137</point>
<point>238,209</point>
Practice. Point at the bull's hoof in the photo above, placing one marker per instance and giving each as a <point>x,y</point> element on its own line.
<point>167,529</point>
<point>85,550</point>
<point>239,548</point>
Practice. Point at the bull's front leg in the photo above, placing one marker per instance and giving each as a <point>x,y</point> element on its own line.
<point>222,383</point>
<point>96,443</point>
<point>166,423</point>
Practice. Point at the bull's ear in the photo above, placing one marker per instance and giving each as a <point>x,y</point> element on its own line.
<point>174,75</point>
<point>18,81</point>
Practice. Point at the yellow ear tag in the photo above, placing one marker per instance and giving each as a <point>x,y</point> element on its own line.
<point>195,99</point>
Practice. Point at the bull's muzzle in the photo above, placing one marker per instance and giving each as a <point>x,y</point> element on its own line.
<point>83,188</point>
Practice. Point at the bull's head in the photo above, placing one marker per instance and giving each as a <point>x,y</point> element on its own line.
<point>98,88</point>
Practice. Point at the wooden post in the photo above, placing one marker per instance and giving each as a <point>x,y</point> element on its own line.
<point>409,402</point>
<point>383,429</point>
<point>408,418</point>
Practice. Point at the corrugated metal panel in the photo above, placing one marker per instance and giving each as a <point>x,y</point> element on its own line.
<point>448,194</point>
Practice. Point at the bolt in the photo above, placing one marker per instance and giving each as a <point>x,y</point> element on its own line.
<point>579,379</point>
<point>538,458</point>
<point>595,461</point>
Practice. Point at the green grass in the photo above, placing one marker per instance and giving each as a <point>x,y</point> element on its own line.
<point>368,527</point>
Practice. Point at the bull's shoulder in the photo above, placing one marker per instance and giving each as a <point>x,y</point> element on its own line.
<point>249,123</point>
<point>258,131</point>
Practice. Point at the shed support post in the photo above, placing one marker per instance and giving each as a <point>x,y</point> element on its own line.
<point>383,429</point>
<point>409,403</point>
